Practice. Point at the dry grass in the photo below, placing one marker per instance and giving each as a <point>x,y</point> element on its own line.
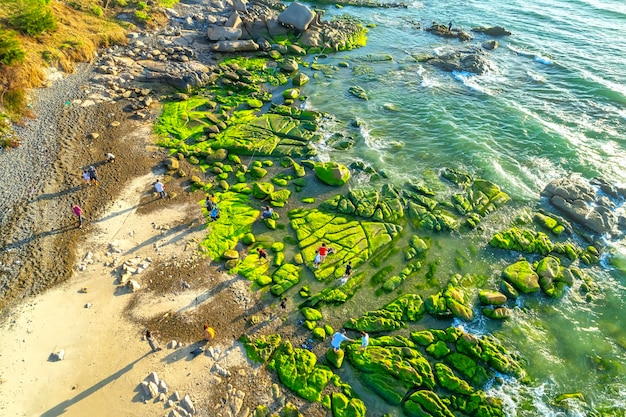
<point>78,36</point>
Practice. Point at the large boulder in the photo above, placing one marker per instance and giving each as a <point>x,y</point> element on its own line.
<point>580,201</point>
<point>492,30</point>
<point>332,173</point>
<point>221,33</point>
<point>236,46</point>
<point>297,15</point>
<point>522,276</point>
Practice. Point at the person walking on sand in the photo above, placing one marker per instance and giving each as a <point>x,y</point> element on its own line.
<point>365,340</point>
<point>109,157</point>
<point>262,255</point>
<point>86,177</point>
<point>338,338</point>
<point>79,214</point>
<point>154,345</point>
<point>93,175</point>
<point>209,333</point>
<point>160,188</point>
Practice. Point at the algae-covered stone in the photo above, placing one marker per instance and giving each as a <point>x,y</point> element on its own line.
<point>335,358</point>
<point>258,172</point>
<point>522,276</point>
<point>291,93</point>
<point>231,254</point>
<point>491,297</point>
<point>311,314</point>
<point>425,403</point>
<point>263,280</point>
<point>298,371</point>
<point>297,259</point>
<point>344,407</point>
<point>300,79</point>
<point>308,200</point>
<point>248,239</point>
<point>218,155</point>
<point>332,173</point>
<point>284,278</point>
<point>280,196</point>
<point>438,350</point>
<point>498,313</point>
<point>423,338</point>
<point>386,386</point>
<point>261,190</point>
<point>448,380</point>
<point>261,348</point>
<point>319,333</point>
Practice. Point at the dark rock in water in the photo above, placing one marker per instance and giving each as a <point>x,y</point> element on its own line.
<point>490,45</point>
<point>585,203</point>
<point>492,30</point>
<point>448,32</point>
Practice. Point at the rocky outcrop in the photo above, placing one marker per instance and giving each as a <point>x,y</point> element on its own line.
<point>448,32</point>
<point>589,203</point>
<point>475,62</point>
<point>492,30</point>
<point>297,15</point>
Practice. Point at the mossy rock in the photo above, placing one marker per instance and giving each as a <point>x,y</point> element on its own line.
<point>425,403</point>
<point>438,350</point>
<point>499,313</point>
<point>297,259</point>
<point>291,93</point>
<point>254,103</point>
<point>280,196</point>
<point>328,329</point>
<point>311,314</point>
<point>231,254</point>
<point>223,184</point>
<point>217,155</point>
<point>277,247</point>
<point>423,338</point>
<point>522,277</point>
<point>448,380</point>
<point>492,298</point>
<point>270,223</point>
<point>298,371</point>
<point>261,190</point>
<point>263,280</point>
<point>235,221</point>
<point>258,172</point>
<point>281,182</point>
<point>309,324</point>
<point>319,333</point>
<point>344,407</point>
<point>261,348</point>
<point>332,173</point>
<point>386,386</point>
<point>248,239</point>
<point>308,200</point>
<point>234,159</point>
<point>279,259</point>
<point>284,278</point>
<point>335,358</point>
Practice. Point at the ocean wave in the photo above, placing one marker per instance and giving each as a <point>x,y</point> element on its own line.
<point>535,56</point>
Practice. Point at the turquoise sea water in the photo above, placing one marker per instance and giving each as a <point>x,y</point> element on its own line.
<point>554,103</point>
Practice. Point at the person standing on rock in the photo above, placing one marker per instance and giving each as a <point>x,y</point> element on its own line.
<point>154,345</point>
<point>209,202</point>
<point>365,340</point>
<point>79,214</point>
<point>160,188</point>
<point>262,255</point>
<point>323,251</point>
<point>338,338</point>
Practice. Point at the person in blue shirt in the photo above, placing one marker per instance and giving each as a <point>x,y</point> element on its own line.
<point>338,338</point>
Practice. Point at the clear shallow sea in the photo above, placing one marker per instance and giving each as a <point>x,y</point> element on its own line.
<point>554,104</point>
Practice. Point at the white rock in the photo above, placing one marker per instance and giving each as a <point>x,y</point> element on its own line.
<point>59,355</point>
<point>152,377</point>
<point>188,405</point>
<point>133,285</point>
<point>163,387</point>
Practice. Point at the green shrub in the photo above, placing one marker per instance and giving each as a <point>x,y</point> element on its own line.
<point>142,5</point>
<point>33,17</point>
<point>10,49</point>
<point>97,10</point>
<point>121,3</point>
<point>142,16</point>
<point>14,101</point>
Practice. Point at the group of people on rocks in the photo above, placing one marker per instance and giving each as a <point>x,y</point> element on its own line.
<point>340,337</point>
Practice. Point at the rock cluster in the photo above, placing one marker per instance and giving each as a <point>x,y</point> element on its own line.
<point>591,204</point>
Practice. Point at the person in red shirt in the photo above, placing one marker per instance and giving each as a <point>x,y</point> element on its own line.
<point>323,251</point>
<point>262,255</point>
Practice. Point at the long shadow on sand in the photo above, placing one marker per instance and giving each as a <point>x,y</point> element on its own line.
<point>22,242</point>
<point>62,407</point>
<point>174,234</point>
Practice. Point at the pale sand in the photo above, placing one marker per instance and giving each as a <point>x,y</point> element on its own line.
<point>106,356</point>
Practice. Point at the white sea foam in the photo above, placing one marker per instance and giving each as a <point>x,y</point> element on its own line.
<point>470,80</point>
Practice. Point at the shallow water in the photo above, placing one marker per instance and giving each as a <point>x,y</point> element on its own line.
<point>554,103</point>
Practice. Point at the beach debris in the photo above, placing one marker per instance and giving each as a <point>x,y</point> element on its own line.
<point>57,355</point>
<point>83,290</point>
<point>220,371</point>
<point>88,305</point>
